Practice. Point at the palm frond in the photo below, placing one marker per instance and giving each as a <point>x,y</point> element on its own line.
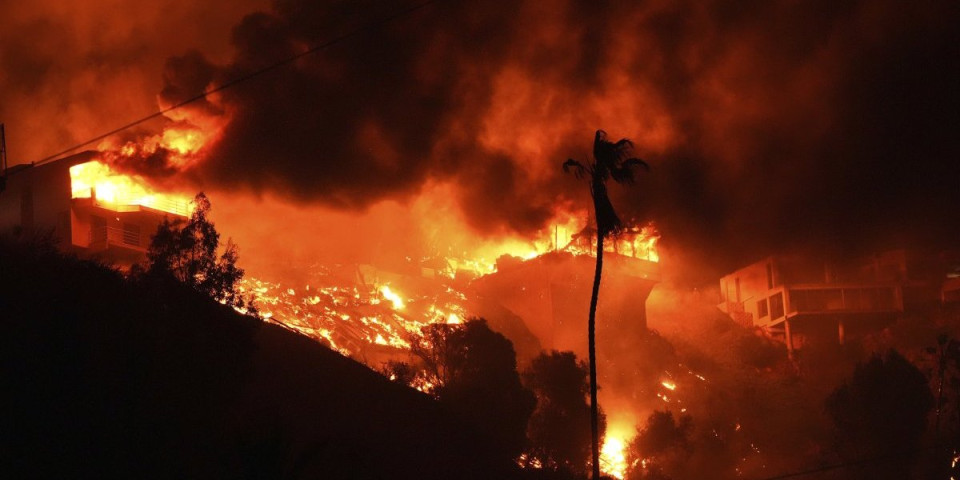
<point>623,146</point>
<point>636,162</point>
<point>623,173</point>
<point>578,169</point>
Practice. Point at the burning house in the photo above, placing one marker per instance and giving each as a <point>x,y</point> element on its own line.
<point>797,298</point>
<point>551,291</point>
<point>85,207</point>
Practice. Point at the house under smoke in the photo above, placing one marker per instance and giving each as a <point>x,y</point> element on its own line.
<point>551,293</point>
<point>85,208</point>
<point>797,298</point>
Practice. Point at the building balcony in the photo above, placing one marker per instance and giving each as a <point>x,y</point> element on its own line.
<point>807,300</point>
<point>103,238</point>
<point>814,299</point>
<point>158,205</point>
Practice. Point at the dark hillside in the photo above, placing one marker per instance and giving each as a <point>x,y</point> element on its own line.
<point>107,378</point>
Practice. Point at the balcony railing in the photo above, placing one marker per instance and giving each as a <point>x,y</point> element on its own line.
<point>845,298</point>
<point>126,203</point>
<point>788,301</point>
<point>103,237</point>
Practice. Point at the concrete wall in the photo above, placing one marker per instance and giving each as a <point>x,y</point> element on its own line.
<point>551,293</point>
<point>37,199</point>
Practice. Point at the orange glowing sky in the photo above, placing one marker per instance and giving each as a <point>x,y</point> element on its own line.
<point>766,125</point>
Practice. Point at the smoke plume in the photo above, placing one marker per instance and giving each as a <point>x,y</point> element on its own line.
<point>768,124</point>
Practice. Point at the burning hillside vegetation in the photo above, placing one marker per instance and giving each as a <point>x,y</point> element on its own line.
<point>533,292</point>
<point>370,312</point>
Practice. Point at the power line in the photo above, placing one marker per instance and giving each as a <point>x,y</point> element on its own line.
<point>245,77</point>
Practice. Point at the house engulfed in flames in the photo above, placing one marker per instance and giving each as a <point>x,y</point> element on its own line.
<point>551,291</point>
<point>86,208</point>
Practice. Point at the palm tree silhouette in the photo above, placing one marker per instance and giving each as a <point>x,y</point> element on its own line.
<point>610,160</point>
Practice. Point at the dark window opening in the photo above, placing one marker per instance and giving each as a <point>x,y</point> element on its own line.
<point>776,305</point>
<point>762,310</point>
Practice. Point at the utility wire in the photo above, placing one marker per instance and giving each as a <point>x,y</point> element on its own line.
<point>245,77</point>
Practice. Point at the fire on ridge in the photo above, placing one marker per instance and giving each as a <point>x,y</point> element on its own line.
<point>364,311</point>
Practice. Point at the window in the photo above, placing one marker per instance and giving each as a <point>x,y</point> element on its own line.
<point>817,300</point>
<point>776,305</point>
<point>762,308</point>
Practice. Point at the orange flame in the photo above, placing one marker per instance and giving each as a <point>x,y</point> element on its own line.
<point>613,457</point>
<point>97,181</point>
<point>393,297</point>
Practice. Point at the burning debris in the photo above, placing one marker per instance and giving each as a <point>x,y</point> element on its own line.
<point>362,309</point>
<point>359,311</point>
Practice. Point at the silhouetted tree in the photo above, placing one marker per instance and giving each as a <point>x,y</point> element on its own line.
<point>946,356</point>
<point>943,369</point>
<point>610,160</point>
<point>187,252</point>
<point>881,411</point>
<point>663,443</point>
<point>558,429</point>
<point>473,370</point>
<point>400,372</point>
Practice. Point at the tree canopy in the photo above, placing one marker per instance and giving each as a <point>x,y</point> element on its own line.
<point>473,370</point>
<point>559,429</point>
<point>881,410</point>
<point>188,253</point>
<point>660,447</point>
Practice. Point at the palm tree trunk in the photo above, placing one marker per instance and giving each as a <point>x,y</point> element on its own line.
<point>591,338</point>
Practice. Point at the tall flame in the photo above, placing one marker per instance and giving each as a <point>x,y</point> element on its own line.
<point>97,181</point>
<point>393,297</point>
<point>613,457</point>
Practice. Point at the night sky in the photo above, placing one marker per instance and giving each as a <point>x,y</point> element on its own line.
<point>768,125</point>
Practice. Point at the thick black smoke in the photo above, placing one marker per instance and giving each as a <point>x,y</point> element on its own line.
<point>371,118</point>
<point>769,125</point>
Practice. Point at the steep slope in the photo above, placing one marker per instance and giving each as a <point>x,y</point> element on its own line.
<point>108,378</point>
